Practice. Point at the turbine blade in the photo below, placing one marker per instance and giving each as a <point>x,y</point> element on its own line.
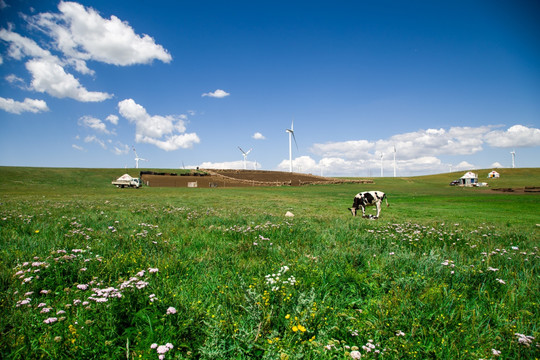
<point>294,137</point>
<point>243,152</point>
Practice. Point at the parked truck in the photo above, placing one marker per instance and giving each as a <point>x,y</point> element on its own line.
<point>127,181</point>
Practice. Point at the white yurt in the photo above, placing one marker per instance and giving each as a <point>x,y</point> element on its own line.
<point>494,175</point>
<point>469,179</point>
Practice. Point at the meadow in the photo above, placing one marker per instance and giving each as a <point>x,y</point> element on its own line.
<point>89,271</point>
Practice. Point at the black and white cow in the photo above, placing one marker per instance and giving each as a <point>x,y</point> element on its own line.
<point>368,198</point>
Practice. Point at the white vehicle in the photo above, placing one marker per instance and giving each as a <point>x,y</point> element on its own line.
<point>127,181</point>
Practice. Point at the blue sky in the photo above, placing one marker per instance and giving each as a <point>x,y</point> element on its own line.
<point>451,85</point>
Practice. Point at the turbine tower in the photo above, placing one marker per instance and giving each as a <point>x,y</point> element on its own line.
<point>291,136</point>
<point>394,160</point>
<point>513,152</point>
<point>245,154</point>
<point>382,171</point>
<point>137,159</point>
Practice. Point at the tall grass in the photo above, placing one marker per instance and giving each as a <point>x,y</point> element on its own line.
<point>90,271</point>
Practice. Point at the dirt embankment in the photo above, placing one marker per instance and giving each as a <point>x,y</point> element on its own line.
<point>208,178</point>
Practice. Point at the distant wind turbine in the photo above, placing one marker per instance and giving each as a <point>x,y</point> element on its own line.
<point>394,160</point>
<point>382,171</point>
<point>245,154</point>
<point>291,136</point>
<point>137,159</point>
<point>513,152</point>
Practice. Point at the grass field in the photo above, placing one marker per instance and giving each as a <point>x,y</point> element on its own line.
<point>91,271</point>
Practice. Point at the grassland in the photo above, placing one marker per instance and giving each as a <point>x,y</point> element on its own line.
<point>90,271</point>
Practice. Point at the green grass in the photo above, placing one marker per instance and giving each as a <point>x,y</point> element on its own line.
<point>445,273</point>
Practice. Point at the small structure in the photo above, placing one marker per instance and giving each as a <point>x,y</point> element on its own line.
<point>494,175</point>
<point>469,179</point>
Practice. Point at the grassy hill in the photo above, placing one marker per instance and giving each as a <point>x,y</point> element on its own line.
<point>92,271</point>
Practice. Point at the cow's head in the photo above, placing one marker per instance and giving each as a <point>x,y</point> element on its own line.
<point>353,211</point>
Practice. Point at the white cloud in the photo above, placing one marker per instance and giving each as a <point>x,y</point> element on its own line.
<point>28,105</point>
<point>258,136</point>
<point>216,94</point>
<point>94,124</point>
<point>49,77</point>
<point>229,165</point>
<point>113,119</point>
<point>82,34</point>
<point>93,138</point>
<point>417,152</point>
<point>497,165</point>
<point>77,147</point>
<point>21,47</point>
<point>166,132</point>
<point>354,149</point>
<point>121,149</point>
<point>515,136</point>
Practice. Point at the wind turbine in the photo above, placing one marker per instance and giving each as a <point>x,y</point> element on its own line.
<point>245,153</point>
<point>394,160</point>
<point>291,135</point>
<point>137,158</point>
<point>382,171</point>
<point>513,152</point>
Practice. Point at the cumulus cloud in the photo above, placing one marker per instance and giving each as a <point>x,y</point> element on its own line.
<point>216,94</point>
<point>21,47</point>
<point>228,165</point>
<point>94,124</point>
<point>82,34</point>
<point>95,139</point>
<point>77,35</point>
<point>515,136</point>
<point>50,77</point>
<point>258,136</point>
<point>417,152</point>
<point>113,119</point>
<point>28,105</point>
<point>165,132</point>
<point>497,165</point>
<point>120,149</point>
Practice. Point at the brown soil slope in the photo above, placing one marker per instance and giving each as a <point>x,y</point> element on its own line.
<point>238,178</point>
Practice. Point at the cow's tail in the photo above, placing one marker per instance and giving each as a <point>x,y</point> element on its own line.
<point>386,199</point>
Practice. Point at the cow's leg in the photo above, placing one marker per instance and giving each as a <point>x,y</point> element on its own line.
<point>378,204</point>
<point>363,210</point>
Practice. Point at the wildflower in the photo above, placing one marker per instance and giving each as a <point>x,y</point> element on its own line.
<point>153,346</point>
<point>495,352</point>
<point>524,339</point>
<point>501,281</point>
<point>287,316</point>
<point>355,354</point>
<point>82,286</point>
<point>153,270</point>
<point>295,328</point>
<point>45,310</point>
<point>301,328</point>
<point>400,333</point>
<point>41,305</point>
<point>50,320</point>
<point>171,310</point>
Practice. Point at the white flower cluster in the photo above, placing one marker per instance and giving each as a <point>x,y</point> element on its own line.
<point>276,279</point>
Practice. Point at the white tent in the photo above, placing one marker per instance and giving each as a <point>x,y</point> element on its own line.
<point>469,179</point>
<point>494,174</point>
